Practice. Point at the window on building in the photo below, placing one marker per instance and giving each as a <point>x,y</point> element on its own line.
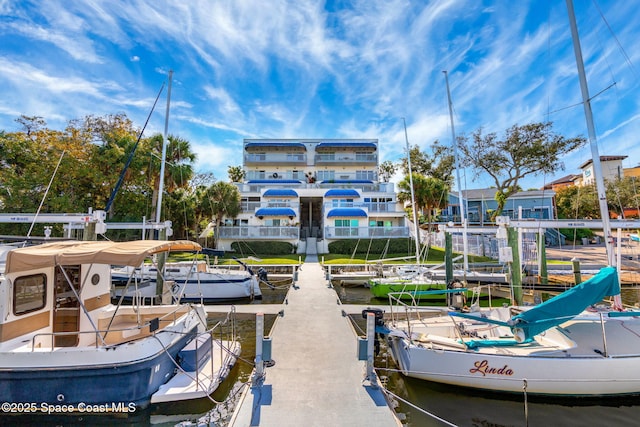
<point>346,223</point>
<point>273,222</point>
<point>326,175</point>
<point>341,203</point>
<point>365,174</point>
<point>29,293</point>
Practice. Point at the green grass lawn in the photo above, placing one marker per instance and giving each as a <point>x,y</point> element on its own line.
<point>435,256</point>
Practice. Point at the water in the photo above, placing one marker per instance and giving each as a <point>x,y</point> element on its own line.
<point>455,405</point>
<point>465,407</point>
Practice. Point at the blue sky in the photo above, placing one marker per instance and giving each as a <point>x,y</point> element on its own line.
<point>337,69</point>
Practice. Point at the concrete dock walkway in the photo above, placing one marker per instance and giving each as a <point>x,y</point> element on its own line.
<point>317,379</point>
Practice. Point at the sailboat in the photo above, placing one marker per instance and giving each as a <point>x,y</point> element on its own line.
<point>192,281</point>
<point>571,345</point>
<point>414,282</point>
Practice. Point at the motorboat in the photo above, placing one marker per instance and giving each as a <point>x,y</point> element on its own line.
<point>65,347</point>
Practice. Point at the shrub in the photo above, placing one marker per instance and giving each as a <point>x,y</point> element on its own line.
<point>374,246</point>
<point>263,247</point>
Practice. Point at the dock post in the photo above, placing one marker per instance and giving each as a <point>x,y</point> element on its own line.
<point>371,337</point>
<point>258,376</point>
<point>576,270</point>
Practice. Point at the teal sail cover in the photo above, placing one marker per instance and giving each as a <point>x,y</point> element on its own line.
<point>568,304</point>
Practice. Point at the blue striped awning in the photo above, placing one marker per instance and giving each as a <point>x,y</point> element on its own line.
<point>298,146</point>
<point>329,145</point>
<point>347,181</point>
<point>280,192</point>
<point>347,212</point>
<point>342,192</point>
<point>273,181</point>
<point>275,212</point>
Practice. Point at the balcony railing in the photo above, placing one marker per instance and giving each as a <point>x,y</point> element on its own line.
<point>345,158</point>
<point>365,232</point>
<point>265,158</point>
<point>372,207</point>
<point>260,232</point>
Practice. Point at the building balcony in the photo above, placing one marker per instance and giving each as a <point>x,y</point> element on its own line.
<point>259,232</point>
<point>346,158</point>
<point>252,159</point>
<point>371,207</point>
<point>365,232</point>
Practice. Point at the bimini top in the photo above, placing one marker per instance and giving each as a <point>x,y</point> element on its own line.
<point>359,145</point>
<point>103,252</point>
<point>276,212</point>
<point>342,192</point>
<point>347,212</point>
<point>280,192</point>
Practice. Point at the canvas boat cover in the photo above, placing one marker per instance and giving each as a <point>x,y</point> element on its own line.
<point>131,253</point>
<point>568,304</point>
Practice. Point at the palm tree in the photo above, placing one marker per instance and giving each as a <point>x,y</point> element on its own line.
<point>178,166</point>
<point>222,200</point>
<point>430,194</point>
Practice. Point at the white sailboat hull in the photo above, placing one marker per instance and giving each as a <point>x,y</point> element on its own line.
<point>567,361</point>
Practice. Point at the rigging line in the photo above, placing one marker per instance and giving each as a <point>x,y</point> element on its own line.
<point>624,53</point>
<point>45,193</point>
<point>130,159</point>
<point>581,103</point>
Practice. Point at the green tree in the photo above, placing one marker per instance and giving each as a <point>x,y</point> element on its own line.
<point>178,165</point>
<point>577,202</point>
<point>386,170</point>
<point>430,194</point>
<point>236,173</point>
<point>525,150</point>
<point>439,164</point>
<point>221,200</point>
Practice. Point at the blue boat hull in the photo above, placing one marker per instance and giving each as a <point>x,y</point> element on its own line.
<point>126,386</point>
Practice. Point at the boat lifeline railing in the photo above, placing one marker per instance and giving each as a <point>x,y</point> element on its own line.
<point>154,325</point>
<point>408,302</point>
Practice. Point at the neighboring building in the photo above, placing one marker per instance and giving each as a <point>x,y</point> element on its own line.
<point>313,191</point>
<point>538,204</point>
<point>565,181</point>
<point>611,169</point>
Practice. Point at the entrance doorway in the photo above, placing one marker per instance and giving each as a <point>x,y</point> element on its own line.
<point>66,313</point>
<point>311,217</point>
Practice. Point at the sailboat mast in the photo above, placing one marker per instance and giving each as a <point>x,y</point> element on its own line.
<point>593,142</point>
<point>416,226</point>
<point>463,217</point>
<point>164,151</point>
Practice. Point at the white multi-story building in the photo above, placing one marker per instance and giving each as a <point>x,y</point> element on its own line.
<point>312,192</point>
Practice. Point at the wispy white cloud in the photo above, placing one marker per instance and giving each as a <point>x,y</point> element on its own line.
<point>249,68</point>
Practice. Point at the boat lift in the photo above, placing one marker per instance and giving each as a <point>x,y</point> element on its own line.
<point>92,222</point>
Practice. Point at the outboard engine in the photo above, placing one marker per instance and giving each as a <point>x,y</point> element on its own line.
<point>379,321</point>
<point>262,277</point>
<point>456,300</point>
